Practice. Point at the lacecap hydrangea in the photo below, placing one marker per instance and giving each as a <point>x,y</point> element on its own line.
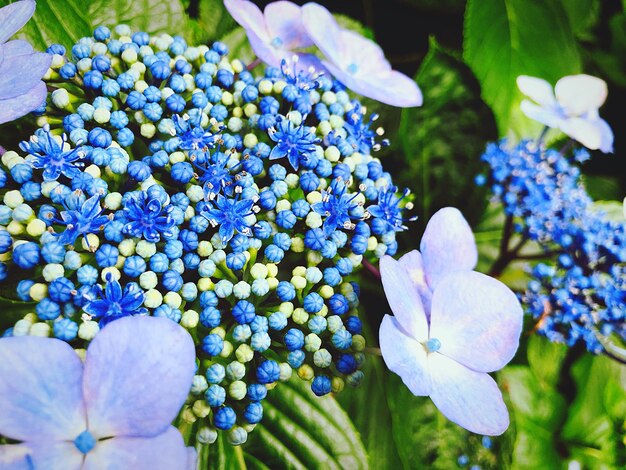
<point>168,180</point>
<point>578,290</point>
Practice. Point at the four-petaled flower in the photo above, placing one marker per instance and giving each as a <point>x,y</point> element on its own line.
<point>358,62</point>
<point>230,214</point>
<point>572,107</point>
<point>276,33</point>
<point>45,152</point>
<point>115,303</point>
<point>337,206</point>
<point>81,217</point>
<point>149,216</point>
<point>388,209</point>
<point>297,143</point>
<point>112,412</point>
<point>21,69</point>
<point>452,325</point>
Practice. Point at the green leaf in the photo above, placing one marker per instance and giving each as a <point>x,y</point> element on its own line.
<point>141,15</point>
<point>211,21</point>
<point>582,15</point>
<point>238,45</point>
<point>603,188</point>
<point>443,139</point>
<point>367,406</point>
<point>58,21</point>
<point>300,430</point>
<point>538,411</point>
<point>589,430</point>
<point>545,359</point>
<point>507,38</point>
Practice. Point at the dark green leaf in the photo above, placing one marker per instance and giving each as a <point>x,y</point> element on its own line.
<point>211,22</point>
<point>443,139</point>
<point>603,188</point>
<point>300,430</point>
<point>507,38</point>
<point>141,15</point>
<point>582,15</point>
<point>58,21</point>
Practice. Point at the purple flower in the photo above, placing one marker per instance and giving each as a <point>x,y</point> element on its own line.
<point>358,62</point>
<point>572,107</point>
<point>451,325</point>
<point>112,412</point>
<point>276,33</point>
<point>21,69</point>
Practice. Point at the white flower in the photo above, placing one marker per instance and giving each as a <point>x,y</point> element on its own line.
<point>572,107</point>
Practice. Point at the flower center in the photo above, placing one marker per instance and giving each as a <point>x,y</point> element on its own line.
<point>433,345</point>
<point>85,441</point>
<point>277,42</point>
<point>352,68</point>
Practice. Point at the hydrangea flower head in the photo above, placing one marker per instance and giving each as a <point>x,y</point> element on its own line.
<point>72,415</point>
<point>276,33</point>
<point>572,107</point>
<point>358,62</point>
<point>451,325</point>
<point>21,69</point>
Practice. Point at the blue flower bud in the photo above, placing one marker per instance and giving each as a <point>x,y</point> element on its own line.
<point>65,329</point>
<point>135,100</point>
<point>172,281</point>
<point>253,413</point>
<point>47,309</point>
<point>321,385</point>
<point>99,137</point>
<point>342,339</point>
<point>285,291</point>
<point>317,324</point>
<point>215,396</point>
<point>353,325</point>
<point>224,418</point>
<point>268,372</point>
<point>294,339</point>
<point>5,241</point>
<point>235,261</point>
<point>260,342</point>
<point>346,364</point>
<point>26,255</point>
<point>338,304</point>
<point>256,392</point>
<point>243,312</point>
<point>215,373</point>
<point>241,333</point>
<point>160,70</point>
<point>134,266</point>
<point>60,290</point>
<point>212,344</point>
<point>313,302</point>
<point>277,321</point>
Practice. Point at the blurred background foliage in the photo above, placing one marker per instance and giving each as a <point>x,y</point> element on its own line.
<point>567,407</point>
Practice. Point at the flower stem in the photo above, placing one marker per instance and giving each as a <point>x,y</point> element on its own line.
<point>371,269</point>
<point>253,64</point>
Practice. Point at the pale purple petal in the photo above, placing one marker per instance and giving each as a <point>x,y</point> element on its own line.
<point>447,246</point>
<point>606,145</point>
<point>468,398</point>
<point>166,451</point>
<point>248,15</point>
<point>392,88</point>
<point>587,132</point>
<point>477,319</point>
<point>413,265</point>
<point>365,54</point>
<point>19,74</point>
<point>17,107</point>
<point>537,89</point>
<point>55,455</point>
<point>138,372</point>
<point>403,298</point>
<point>548,116</point>
<point>17,47</point>
<point>579,94</point>
<point>265,52</point>
<point>13,17</point>
<point>192,458</point>
<point>284,25</point>
<point>404,356</point>
<point>40,389</point>
<point>323,30</point>
<point>14,457</point>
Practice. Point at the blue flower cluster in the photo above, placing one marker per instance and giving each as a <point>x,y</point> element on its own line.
<point>158,184</point>
<point>581,294</point>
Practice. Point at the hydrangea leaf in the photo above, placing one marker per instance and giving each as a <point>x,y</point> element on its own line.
<point>453,125</point>
<point>209,20</point>
<point>499,46</point>
<point>307,431</point>
<point>60,21</point>
<point>140,15</point>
